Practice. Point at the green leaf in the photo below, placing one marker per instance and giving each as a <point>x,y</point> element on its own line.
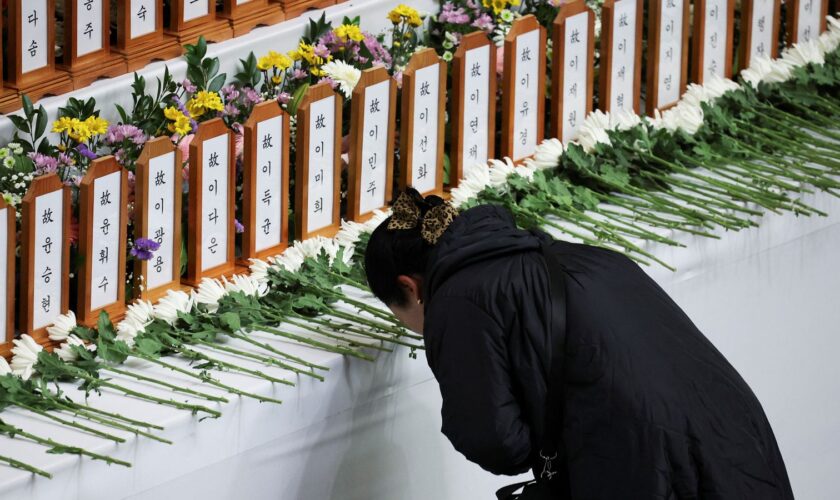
<point>230,321</point>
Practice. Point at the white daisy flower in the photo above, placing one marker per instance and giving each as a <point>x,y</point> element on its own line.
<point>171,304</point>
<point>209,293</point>
<point>345,75</point>
<point>25,356</point>
<point>62,326</point>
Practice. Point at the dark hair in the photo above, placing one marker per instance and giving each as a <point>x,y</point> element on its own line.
<point>391,253</point>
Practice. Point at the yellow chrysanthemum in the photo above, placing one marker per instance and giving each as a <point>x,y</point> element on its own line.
<point>264,63</point>
<point>64,124</point>
<point>274,60</point>
<point>204,101</point>
<point>180,122</point>
<point>276,79</point>
<point>97,125</point>
<point>81,132</point>
<point>496,5</point>
<point>349,32</point>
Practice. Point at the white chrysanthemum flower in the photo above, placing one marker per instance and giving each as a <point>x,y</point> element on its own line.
<point>259,269</point>
<point>291,259</point>
<point>141,312</point>
<point>378,218</point>
<point>499,171</point>
<point>349,233</point>
<point>5,369</point>
<point>686,118</point>
<point>66,351</point>
<point>760,68</point>
<point>717,86</point>
<point>25,356</point>
<point>311,248</point>
<point>345,75</point>
<point>171,304</point>
<point>330,247</point>
<point>802,54</point>
<point>246,284</point>
<point>525,171</point>
<point>209,292</point>
<point>548,154</point>
<point>624,120</point>
<point>780,71</point>
<point>62,326</point>
<point>128,329</point>
<point>594,131</point>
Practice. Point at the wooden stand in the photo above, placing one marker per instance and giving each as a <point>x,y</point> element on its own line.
<point>611,20</point>
<point>473,88</point>
<point>9,99</point>
<point>87,46</point>
<point>294,8</point>
<point>7,277</point>
<point>424,79</point>
<point>574,49</point>
<point>147,45</point>
<point>371,171</point>
<point>158,217</point>
<point>318,144</point>
<point>803,16</point>
<point>243,18</point>
<point>46,215</point>
<point>265,183</point>
<point>202,211</point>
<point>102,240</point>
<point>189,20</point>
<point>30,62</point>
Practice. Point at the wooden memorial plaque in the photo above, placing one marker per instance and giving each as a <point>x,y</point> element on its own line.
<point>190,19</point>
<point>103,210</point>
<point>422,127</point>
<point>759,30</point>
<point>9,98</point>
<point>30,56</point>
<point>712,39</point>
<point>158,217</point>
<point>472,104</point>
<point>805,20</point>
<point>294,8</point>
<point>265,195</point>
<point>8,242</point>
<point>245,15</point>
<point>140,37</point>
<point>87,42</point>
<point>45,256</point>
<point>371,173</point>
<point>573,74</point>
<point>620,75</point>
<point>523,89</point>
<point>667,60</point>
<point>210,240</point>
<point>318,163</point>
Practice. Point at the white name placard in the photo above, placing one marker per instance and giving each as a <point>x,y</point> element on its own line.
<point>575,74</point>
<point>48,272</point>
<point>88,26</point>
<point>321,169</point>
<point>670,52</point>
<point>623,71</point>
<point>34,45</point>
<point>424,150</point>
<point>476,101</point>
<point>375,152</point>
<point>714,38</point>
<point>214,202</point>
<point>194,9</point>
<point>161,185</point>
<point>105,250</point>
<point>810,20</point>
<point>143,15</point>
<point>762,23</point>
<point>269,204</point>
<point>525,105</point>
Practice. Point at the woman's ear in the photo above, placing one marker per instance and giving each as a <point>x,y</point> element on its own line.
<point>412,287</point>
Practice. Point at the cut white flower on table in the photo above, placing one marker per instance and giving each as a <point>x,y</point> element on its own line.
<point>25,356</point>
<point>209,292</point>
<point>62,326</point>
<point>66,351</point>
<point>246,284</point>
<point>171,304</point>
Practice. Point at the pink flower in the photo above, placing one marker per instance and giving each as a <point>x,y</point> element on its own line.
<point>284,97</point>
<point>484,22</point>
<point>398,76</point>
<point>500,59</point>
<point>238,139</point>
<point>184,146</point>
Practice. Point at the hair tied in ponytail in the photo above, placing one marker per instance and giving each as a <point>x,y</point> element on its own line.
<point>432,214</point>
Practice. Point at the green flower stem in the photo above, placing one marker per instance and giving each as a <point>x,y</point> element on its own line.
<point>94,410</point>
<point>196,355</point>
<point>358,331</point>
<point>70,423</point>
<point>143,378</point>
<point>56,447</point>
<point>643,213</point>
<point>256,357</point>
<point>333,335</point>
<point>206,378</point>
<point>113,424</point>
<point>367,322</point>
<point>706,198</point>
<point>273,350</point>
<point>17,464</point>
<point>627,227</point>
<point>806,124</point>
<point>314,343</point>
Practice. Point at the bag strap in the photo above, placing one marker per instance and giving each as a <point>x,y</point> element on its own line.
<point>550,452</point>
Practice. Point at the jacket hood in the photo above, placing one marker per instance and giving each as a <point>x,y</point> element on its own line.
<point>479,234</point>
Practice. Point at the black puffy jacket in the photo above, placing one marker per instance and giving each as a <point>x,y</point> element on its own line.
<point>651,408</point>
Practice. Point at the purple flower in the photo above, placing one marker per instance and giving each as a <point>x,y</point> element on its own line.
<point>299,74</point>
<point>231,110</point>
<point>87,153</point>
<point>252,96</point>
<point>229,93</point>
<point>484,22</point>
<point>449,14</point>
<point>44,164</point>
<point>321,50</point>
<point>144,248</point>
<point>238,226</point>
<point>284,98</point>
<point>188,85</point>
<point>329,80</point>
